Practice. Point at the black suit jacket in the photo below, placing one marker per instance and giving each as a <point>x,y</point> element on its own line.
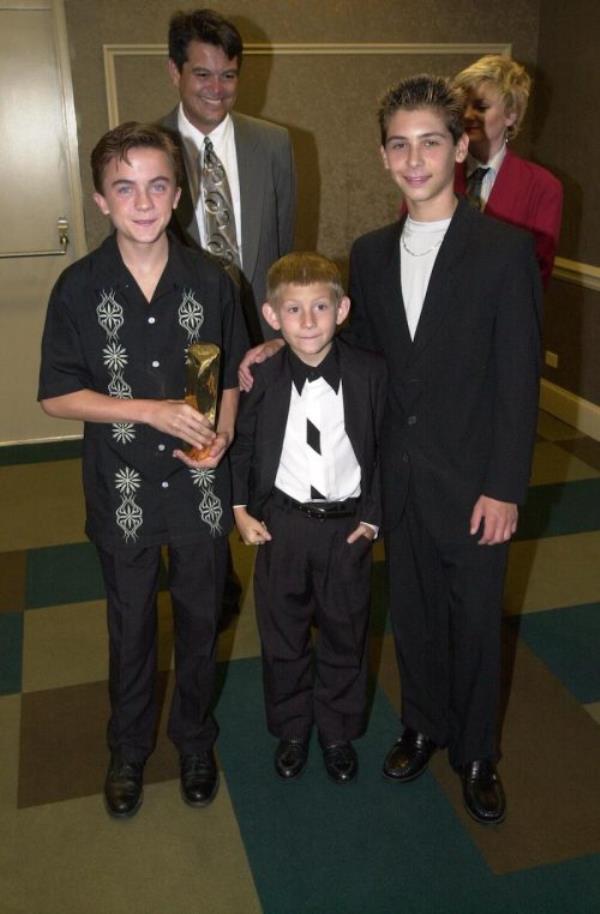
<point>462,397</point>
<point>262,420</point>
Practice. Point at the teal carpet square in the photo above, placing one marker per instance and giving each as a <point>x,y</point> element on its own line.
<point>67,574</point>
<point>369,847</point>
<point>63,574</point>
<point>11,652</point>
<point>568,641</point>
<point>556,510</point>
<point>40,453</point>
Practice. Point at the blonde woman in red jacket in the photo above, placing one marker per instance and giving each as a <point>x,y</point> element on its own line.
<point>512,189</point>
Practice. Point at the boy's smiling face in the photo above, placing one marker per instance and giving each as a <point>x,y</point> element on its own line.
<point>307,317</point>
<point>139,195</point>
<point>420,155</point>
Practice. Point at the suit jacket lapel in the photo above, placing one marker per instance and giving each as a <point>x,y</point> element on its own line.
<point>394,324</point>
<point>186,213</point>
<point>252,182</point>
<point>440,291</point>
<point>355,393</point>
<point>280,392</point>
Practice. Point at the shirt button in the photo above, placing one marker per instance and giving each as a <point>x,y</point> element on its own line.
<point>405,457</point>
<point>161,447</point>
<point>411,420</point>
<point>155,363</point>
<point>165,484</point>
<point>151,320</point>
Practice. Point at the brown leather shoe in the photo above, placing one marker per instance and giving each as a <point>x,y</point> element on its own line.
<point>409,756</point>
<point>483,792</point>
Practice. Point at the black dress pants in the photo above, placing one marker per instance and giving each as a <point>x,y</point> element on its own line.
<point>446,607</point>
<point>196,579</point>
<point>308,569</point>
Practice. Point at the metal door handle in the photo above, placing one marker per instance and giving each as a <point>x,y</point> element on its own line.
<point>62,227</point>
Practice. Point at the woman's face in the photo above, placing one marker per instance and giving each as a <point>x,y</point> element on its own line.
<point>486,120</point>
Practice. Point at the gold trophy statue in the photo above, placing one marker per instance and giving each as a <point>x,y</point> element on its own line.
<point>202,366</point>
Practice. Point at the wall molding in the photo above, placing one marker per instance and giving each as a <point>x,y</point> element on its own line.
<point>113,51</point>
<point>582,414</point>
<point>580,274</point>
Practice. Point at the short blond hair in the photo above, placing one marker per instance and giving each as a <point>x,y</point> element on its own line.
<point>510,78</point>
<point>303,268</point>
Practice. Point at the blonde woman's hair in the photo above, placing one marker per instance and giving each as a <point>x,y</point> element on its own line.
<point>507,76</point>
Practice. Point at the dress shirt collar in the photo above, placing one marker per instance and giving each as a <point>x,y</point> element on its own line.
<point>494,163</point>
<point>193,138</point>
<point>328,369</point>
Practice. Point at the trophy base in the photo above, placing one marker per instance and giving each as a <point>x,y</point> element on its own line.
<point>195,453</point>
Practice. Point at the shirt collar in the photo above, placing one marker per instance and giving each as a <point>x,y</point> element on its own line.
<point>494,163</point>
<point>193,138</point>
<point>328,369</point>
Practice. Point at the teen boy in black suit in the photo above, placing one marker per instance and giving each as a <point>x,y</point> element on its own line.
<point>452,299</point>
<point>306,489</point>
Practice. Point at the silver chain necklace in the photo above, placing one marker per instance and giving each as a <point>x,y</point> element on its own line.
<point>419,253</point>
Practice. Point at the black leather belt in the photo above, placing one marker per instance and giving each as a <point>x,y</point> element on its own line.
<point>319,510</point>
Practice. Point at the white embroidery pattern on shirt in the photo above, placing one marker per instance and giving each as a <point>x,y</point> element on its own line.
<point>191,316</point>
<point>210,507</point>
<point>129,515</point>
<point>114,356</point>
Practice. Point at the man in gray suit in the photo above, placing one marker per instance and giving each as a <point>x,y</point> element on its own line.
<point>205,55</point>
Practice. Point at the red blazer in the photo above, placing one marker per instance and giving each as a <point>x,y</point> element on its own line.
<point>527,195</point>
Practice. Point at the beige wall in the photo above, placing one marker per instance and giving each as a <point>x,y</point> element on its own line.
<point>328,102</point>
<point>567,140</point>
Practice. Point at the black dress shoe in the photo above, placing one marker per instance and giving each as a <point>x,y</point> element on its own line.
<point>483,792</point>
<point>291,756</point>
<point>408,757</point>
<point>341,762</point>
<point>123,788</point>
<point>199,778</point>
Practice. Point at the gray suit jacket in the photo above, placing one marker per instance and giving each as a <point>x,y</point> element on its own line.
<point>268,203</point>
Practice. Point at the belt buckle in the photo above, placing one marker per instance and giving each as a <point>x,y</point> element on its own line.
<point>315,512</point>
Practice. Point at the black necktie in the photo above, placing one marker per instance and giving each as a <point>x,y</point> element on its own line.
<point>474,182</point>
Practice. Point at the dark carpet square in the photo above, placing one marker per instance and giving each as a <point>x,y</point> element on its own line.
<point>11,652</point>
<point>40,453</point>
<point>63,574</point>
<point>13,567</point>
<point>555,510</point>
<point>587,449</point>
<point>63,751</point>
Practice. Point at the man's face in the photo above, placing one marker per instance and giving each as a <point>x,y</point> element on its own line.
<point>207,84</point>
<point>486,120</point>
<point>307,317</point>
<point>420,155</point>
<point>139,195</point>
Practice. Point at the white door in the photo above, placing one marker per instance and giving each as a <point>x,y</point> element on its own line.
<point>39,186</point>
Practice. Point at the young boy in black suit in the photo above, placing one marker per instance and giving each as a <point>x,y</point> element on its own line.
<point>306,490</point>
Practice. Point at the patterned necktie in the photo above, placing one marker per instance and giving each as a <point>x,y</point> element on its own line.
<point>474,182</point>
<point>219,221</point>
